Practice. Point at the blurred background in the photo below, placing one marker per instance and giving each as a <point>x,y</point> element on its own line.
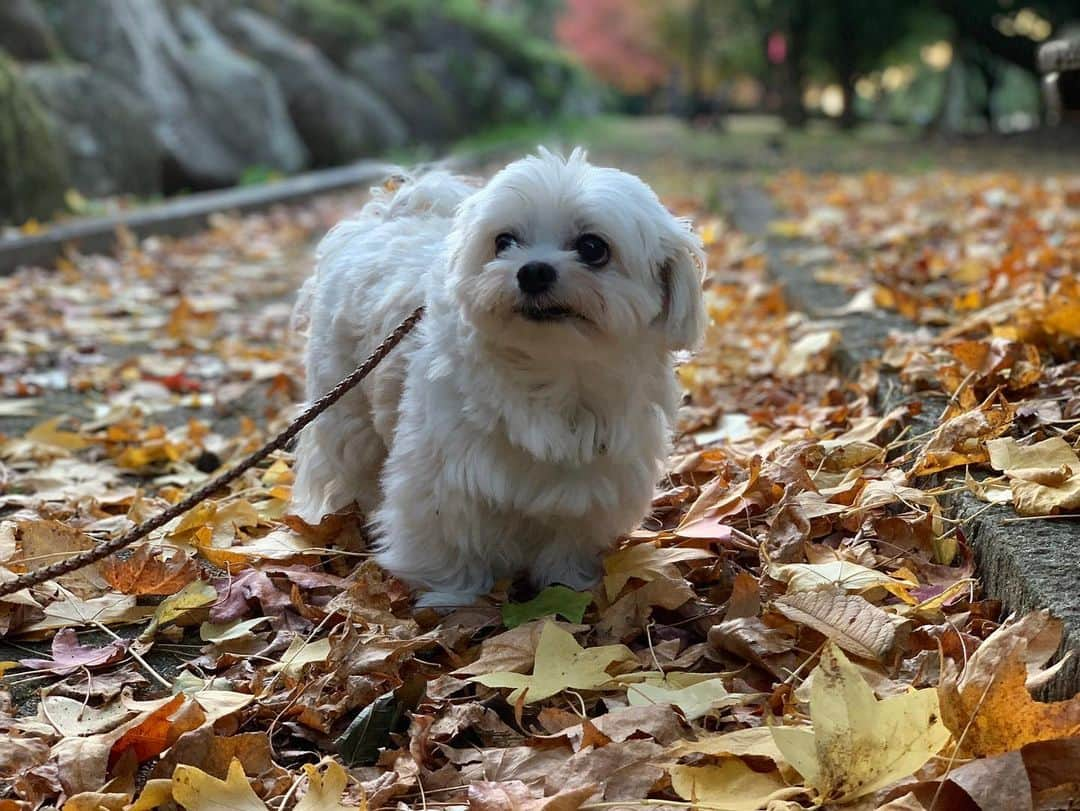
<point>108,103</point>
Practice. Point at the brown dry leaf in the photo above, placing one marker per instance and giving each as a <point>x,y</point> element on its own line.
<point>646,561</point>
<point>750,639</point>
<point>145,573</point>
<point>513,651</point>
<point>854,624</point>
<point>514,795</point>
<point>996,783</point>
<point>623,771</point>
<point>718,496</point>
<point>625,617</point>
<point>989,707</point>
<point>69,610</point>
<point>158,730</point>
<point>961,440</point>
<point>42,543</point>
<point>1044,477</point>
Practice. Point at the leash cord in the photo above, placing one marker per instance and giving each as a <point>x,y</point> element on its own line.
<point>106,548</point>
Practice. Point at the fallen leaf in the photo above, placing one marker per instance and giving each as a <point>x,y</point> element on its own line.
<point>300,653</point>
<point>147,574</point>
<point>848,620</point>
<point>195,595</point>
<point>731,786</point>
<point>195,790</point>
<point>324,788</point>
<point>988,705</point>
<point>695,701</point>
<point>554,600</point>
<point>514,795</point>
<point>645,561</point>
<point>69,656</point>
<point>859,744</point>
<point>560,663</point>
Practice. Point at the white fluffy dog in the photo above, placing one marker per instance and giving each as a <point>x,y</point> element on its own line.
<point>523,424</point>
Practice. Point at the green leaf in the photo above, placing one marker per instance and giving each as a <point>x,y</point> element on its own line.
<point>569,604</point>
<point>370,731</point>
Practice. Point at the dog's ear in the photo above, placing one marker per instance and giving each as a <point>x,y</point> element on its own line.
<point>681,273</point>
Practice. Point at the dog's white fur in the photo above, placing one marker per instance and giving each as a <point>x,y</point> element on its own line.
<point>488,443</point>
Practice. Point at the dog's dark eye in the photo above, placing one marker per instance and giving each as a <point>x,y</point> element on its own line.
<point>503,242</point>
<point>592,250</point>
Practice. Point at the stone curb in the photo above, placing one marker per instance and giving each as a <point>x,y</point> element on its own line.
<point>181,216</point>
<point>1027,565</point>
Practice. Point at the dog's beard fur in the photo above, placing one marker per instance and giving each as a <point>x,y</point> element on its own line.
<point>510,432</point>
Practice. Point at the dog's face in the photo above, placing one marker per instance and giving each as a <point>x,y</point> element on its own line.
<point>557,253</point>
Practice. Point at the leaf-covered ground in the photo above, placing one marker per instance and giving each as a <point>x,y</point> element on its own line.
<point>798,622</point>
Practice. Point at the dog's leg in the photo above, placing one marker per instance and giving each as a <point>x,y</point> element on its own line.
<point>339,456</point>
<point>571,560</point>
<point>446,575</point>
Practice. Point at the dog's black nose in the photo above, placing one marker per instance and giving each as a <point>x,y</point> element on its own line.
<point>535,278</point>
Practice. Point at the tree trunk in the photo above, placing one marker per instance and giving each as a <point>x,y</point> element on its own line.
<point>696,103</point>
<point>793,71</point>
<point>848,119</point>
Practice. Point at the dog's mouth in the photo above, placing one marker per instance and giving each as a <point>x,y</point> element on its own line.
<point>544,314</point>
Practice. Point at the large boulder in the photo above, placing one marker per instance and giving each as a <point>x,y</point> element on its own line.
<point>106,131</point>
<point>413,88</point>
<point>24,31</point>
<point>217,113</point>
<point>33,176</point>
<point>338,118</point>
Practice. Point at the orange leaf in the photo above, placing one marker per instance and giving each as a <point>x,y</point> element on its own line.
<point>144,573</point>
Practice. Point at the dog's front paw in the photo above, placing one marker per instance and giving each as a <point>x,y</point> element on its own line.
<point>446,599</point>
<point>577,569</point>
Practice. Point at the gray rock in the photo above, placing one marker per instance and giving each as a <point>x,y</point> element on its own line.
<point>216,112</point>
<point>411,87</point>
<point>24,31</point>
<point>106,130</point>
<point>226,77</point>
<point>338,118</point>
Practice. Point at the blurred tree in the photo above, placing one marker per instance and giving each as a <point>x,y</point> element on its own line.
<point>990,25</point>
<point>850,38</point>
<point>783,30</point>
<point>618,41</point>
<point>708,42</point>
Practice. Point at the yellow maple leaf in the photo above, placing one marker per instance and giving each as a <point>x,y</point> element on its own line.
<point>560,663</point>
<point>196,790</point>
<point>730,786</point>
<point>989,706</point>
<point>155,793</point>
<point>859,744</point>
<point>325,789</point>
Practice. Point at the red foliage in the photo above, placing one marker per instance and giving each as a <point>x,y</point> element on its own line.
<point>617,40</point>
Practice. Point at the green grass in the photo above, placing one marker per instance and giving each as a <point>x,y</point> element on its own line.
<point>758,146</point>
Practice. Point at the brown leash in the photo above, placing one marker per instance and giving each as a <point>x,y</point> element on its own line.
<point>106,548</point>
